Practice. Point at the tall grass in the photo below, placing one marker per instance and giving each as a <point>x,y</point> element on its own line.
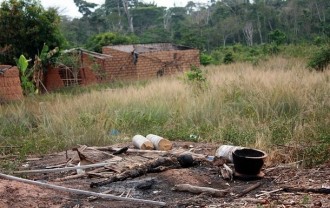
<point>278,106</point>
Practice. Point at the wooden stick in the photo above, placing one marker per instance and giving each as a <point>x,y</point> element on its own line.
<point>269,192</point>
<point>93,198</point>
<point>313,190</point>
<point>248,189</point>
<point>62,169</point>
<point>253,200</point>
<point>199,189</point>
<point>113,149</point>
<point>136,171</point>
<point>120,151</point>
<point>70,177</point>
<point>77,191</point>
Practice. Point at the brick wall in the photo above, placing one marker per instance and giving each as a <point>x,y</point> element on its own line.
<point>53,79</point>
<point>10,84</point>
<point>164,59</point>
<point>149,64</point>
<point>93,69</point>
<point>120,66</point>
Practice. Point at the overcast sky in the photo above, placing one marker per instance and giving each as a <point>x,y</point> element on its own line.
<point>67,7</point>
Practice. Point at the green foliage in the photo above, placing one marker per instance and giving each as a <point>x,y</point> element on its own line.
<point>27,27</point>
<point>320,60</point>
<point>205,59</point>
<point>197,79</point>
<point>228,59</point>
<point>25,75</point>
<point>196,75</point>
<point>277,36</point>
<point>96,42</point>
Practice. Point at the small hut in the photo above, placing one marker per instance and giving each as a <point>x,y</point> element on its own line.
<point>10,84</point>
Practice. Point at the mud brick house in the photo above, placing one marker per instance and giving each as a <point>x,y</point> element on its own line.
<point>149,60</point>
<point>124,62</point>
<point>10,84</point>
<point>91,70</point>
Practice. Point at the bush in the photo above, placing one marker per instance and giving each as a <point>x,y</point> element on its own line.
<point>229,58</point>
<point>205,59</point>
<point>320,60</point>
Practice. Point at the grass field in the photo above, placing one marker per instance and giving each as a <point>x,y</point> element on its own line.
<point>278,106</point>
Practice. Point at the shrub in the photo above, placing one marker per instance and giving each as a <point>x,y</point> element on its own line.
<point>205,59</point>
<point>229,58</point>
<point>320,60</point>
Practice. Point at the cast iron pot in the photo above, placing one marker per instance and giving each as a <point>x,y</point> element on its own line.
<point>248,161</point>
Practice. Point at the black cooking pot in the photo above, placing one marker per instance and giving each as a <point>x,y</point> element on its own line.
<point>248,161</point>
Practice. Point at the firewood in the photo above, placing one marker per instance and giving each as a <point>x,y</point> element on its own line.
<point>250,188</point>
<point>199,190</point>
<point>269,192</point>
<point>62,169</point>
<point>136,171</point>
<point>114,149</point>
<point>93,198</point>
<point>253,200</point>
<point>306,190</point>
<point>120,151</point>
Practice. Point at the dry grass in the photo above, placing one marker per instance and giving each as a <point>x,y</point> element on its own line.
<point>278,106</point>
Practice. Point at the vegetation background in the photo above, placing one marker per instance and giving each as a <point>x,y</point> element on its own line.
<point>256,89</point>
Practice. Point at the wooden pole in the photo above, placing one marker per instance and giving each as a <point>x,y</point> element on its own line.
<point>199,189</point>
<point>77,191</point>
<point>248,189</point>
<point>62,169</point>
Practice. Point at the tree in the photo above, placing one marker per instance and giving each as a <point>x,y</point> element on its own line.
<point>84,7</point>
<point>278,37</point>
<point>25,27</point>
<point>96,42</point>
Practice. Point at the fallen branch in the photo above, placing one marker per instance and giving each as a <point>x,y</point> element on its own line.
<point>77,191</point>
<point>173,152</point>
<point>253,200</point>
<point>62,169</point>
<point>199,190</point>
<point>136,171</point>
<point>226,172</point>
<point>120,151</point>
<point>93,198</point>
<point>306,190</point>
<point>114,149</point>
<point>248,189</point>
<point>70,177</point>
<point>269,192</point>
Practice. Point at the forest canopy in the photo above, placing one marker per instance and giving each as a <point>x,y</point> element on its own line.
<point>204,26</point>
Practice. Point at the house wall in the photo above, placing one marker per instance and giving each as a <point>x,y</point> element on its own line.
<point>10,84</point>
<point>52,80</point>
<point>92,70</point>
<point>155,60</point>
<point>149,64</point>
<point>120,66</point>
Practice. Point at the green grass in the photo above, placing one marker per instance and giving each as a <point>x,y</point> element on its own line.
<point>278,106</point>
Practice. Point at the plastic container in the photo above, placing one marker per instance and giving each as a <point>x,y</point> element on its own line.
<point>226,151</point>
<point>142,143</point>
<point>159,142</point>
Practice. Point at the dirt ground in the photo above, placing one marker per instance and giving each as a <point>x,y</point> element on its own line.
<point>160,185</point>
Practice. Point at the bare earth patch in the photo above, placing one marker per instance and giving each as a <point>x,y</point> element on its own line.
<point>18,194</point>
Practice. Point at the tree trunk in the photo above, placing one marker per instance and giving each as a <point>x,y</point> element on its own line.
<point>128,15</point>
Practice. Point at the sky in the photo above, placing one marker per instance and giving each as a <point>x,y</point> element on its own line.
<point>67,7</point>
